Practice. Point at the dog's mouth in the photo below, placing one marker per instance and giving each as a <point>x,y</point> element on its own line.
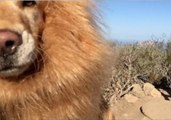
<point>7,68</point>
<point>11,70</point>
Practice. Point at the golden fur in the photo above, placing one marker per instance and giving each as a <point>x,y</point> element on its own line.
<point>66,80</point>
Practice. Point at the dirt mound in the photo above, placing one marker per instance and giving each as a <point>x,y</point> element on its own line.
<point>143,103</point>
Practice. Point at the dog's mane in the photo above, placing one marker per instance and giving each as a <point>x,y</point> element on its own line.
<point>74,63</point>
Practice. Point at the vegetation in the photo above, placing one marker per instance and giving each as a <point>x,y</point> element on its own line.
<point>138,63</point>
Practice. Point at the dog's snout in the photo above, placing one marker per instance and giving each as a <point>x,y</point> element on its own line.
<point>9,41</point>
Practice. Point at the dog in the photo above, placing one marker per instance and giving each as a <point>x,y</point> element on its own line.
<point>53,63</point>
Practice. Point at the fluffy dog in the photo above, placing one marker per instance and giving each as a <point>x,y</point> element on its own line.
<point>53,64</point>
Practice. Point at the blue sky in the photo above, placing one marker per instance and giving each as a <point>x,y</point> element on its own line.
<point>136,20</point>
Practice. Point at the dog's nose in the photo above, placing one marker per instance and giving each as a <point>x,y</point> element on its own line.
<point>9,41</point>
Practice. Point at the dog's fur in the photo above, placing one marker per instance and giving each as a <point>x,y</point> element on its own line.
<point>64,79</point>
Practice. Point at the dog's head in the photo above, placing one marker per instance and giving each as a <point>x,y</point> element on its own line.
<point>20,28</point>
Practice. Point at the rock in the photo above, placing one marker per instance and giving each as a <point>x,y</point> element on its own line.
<point>157,109</point>
<point>150,90</point>
<point>155,93</point>
<point>130,98</point>
<point>165,94</point>
<point>137,91</point>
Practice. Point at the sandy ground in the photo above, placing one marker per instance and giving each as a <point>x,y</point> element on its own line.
<point>130,111</point>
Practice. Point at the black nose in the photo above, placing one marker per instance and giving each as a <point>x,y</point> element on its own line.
<point>9,41</point>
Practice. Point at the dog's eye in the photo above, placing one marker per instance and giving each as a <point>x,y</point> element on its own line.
<point>28,3</point>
